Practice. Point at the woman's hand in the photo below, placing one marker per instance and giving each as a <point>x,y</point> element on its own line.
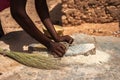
<point>66,38</point>
<point>57,49</point>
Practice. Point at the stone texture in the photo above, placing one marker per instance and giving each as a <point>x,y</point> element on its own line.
<point>81,49</point>
<point>102,66</point>
<point>72,50</point>
<point>92,11</point>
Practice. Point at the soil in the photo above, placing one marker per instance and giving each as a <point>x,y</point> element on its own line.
<point>106,29</point>
<point>99,29</point>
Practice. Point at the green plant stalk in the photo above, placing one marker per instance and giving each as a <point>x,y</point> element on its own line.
<point>33,60</point>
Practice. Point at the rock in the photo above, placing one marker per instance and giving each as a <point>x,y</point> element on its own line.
<point>81,49</point>
<point>113,2</point>
<point>73,50</point>
<point>58,29</point>
<point>96,11</point>
<point>36,47</point>
<point>114,12</point>
<point>78,67</point>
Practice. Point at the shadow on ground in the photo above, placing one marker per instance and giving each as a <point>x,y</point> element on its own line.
<point>17,40</point>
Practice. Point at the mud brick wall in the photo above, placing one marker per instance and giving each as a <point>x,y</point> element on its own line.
<point>76,12</point>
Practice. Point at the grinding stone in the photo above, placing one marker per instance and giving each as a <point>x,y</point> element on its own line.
<point>73,50</point>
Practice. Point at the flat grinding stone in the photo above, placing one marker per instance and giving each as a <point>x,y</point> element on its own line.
<point>81,49</point>
<point>73,50</point>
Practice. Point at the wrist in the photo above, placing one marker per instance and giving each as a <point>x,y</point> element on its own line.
<point>57,39</point>
<point>48,45</point>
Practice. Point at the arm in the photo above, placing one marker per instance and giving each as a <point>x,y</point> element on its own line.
<point>19,14</point>
<point>43,12</point>
<point>1,30</point>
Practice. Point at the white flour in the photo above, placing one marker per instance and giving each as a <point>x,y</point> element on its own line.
<point>98,58</point>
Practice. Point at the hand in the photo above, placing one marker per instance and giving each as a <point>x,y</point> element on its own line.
<point>66,38</point>
<point>57,49</point>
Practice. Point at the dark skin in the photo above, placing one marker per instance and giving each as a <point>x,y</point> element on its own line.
<point>18,12</point>
<point>1,30</point>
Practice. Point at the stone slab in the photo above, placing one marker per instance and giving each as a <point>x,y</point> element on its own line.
<point>81,49</point>
<point>93,67</point>
<point>73,50</point>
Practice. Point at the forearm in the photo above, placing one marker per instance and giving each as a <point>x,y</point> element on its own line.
<point>43,12</point>
<point>1,30</point>
<point>26,23</point>
<point>51,29</point>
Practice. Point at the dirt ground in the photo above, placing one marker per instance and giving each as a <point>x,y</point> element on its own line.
<point>99,29</point>
<point>106,29</point>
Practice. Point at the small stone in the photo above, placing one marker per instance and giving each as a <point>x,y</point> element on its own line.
<point>36,47</point>
<point>64,17</point>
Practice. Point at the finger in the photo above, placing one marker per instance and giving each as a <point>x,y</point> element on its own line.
<point>71,41</point>
<point>58,53</point>
<point>55,55</point>
<point>63,47</point>
<point>62,51</point>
